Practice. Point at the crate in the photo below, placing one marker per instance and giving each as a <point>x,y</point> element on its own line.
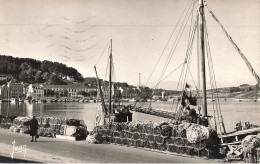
<point>70,130</point>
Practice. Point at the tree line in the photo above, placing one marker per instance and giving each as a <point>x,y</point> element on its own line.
<point>34,71</point>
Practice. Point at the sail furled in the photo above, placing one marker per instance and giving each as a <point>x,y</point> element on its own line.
<point>237,48</point>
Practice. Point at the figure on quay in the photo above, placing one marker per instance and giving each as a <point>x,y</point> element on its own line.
<point>33,128</point>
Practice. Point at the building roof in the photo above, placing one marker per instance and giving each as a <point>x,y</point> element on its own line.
<point>72,86</point>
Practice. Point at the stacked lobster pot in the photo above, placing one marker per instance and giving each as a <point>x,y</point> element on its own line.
<point>47,126</point>
<point>52,126</point>
<point>189,139</point>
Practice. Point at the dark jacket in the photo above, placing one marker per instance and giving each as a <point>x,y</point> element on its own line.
<point>33,126</point>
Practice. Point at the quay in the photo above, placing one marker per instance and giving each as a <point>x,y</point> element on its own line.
<point>59,150</point>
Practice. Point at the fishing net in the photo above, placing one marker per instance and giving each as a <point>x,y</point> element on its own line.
<point>249,145</point>
<point>197,133</point>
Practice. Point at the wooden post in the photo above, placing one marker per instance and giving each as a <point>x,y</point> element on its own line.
<point>202,57</point>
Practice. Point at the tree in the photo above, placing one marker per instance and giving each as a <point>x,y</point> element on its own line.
<point>54,79</point>
<point>46,75</point>
<point>38,77</point>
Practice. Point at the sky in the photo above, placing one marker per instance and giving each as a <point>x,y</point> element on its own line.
<point>77,33</point>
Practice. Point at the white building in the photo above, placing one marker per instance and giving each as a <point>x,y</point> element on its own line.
<point>35,91</point>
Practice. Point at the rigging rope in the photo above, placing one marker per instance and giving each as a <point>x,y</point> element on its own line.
<point>183,26</point>
<point>167,43</point>
<point>102,53</point>
<point>183,78</point>
<point>213,82</point>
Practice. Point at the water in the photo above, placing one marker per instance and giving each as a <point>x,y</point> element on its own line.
<point>231,111</point>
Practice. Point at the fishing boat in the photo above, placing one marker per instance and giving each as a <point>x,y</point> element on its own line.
<point>175,139</point>
<point>112,110</point>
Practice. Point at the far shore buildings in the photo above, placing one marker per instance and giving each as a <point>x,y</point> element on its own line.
<point>12,90</point>
<point>39,91</point>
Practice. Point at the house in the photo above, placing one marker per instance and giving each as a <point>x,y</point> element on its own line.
<point>12,90</point>
<point>35,92</point>
<point>4,91</point>
<point>72,90</point>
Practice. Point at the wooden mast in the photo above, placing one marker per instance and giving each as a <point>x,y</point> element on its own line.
<point>110,78</point>
<point>202,57</point>
<point>101,93</point>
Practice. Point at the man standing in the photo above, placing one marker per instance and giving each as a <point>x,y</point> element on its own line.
<point>34,128</point>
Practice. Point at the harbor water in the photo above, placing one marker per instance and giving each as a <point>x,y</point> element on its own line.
<point>232,112</point>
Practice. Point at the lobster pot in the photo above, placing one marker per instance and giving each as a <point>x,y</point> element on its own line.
<point>178,141</point>
<point>122,134</point>
<point>57,127</point>
<point>148,144</point>
<point>151,138</point>
<point>139,143</point>
<point>55,120</point>
<point>157,130</point>
<point>140,128</point>
<point>133,128</point>
<point>52,120</point>
<point>200,145</point>
<point>115,134</point>
<point>39,119</point>
<point>112,126</point>
<point>112,139</point>
<point>184,133</point>
<point>58,120</point>
<point>174,132</point>
<point>52,126</point>
<point>187,143</point>
<point>105,139</point>
<point>44,120</point>
<point>64,121</point>
<point>144,136</point>
<point>125,126</point>
<point>207,153</point>
<point>125,141</point>
<point>109,132</point>
<point>136,136</point>
<point>170,141</point>
<point>133,142</point>
<point>149,128</point>
<point>103,132</point>
<point>161,147</point>
<point>41,131</point>
<point>159,139</point>
<point>117,127</point>
<point>63,129</point>
<point>172,148</point>
<point>126,134</point>
<point>118,140</point>
<point>188,150</point>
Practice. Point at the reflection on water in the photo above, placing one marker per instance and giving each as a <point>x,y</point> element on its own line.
<point>231,111</point>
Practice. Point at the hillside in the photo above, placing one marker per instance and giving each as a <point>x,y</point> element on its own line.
<point>34,71</point>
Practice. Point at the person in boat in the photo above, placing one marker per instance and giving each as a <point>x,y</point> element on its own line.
<point>186,101</point>
<point>33,128</point>
<point>183,108</point>
<point>192,117</point>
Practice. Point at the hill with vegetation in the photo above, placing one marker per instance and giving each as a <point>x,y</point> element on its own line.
<point>34,71</point>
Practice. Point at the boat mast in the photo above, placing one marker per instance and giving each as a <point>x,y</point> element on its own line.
<point>110,78</point>
<point>202,57</point>
<point>101,93</point>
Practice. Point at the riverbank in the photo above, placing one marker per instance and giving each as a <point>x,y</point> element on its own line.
<point>63,151</point>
